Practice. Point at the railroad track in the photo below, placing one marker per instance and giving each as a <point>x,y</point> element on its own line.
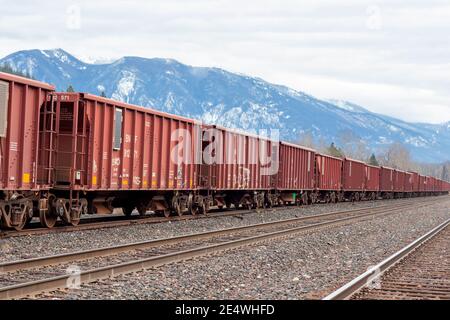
<point>119,221</point>
<point>34,276</point>
<point>421,270</point>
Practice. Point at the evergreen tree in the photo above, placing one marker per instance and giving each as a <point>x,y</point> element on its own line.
<point>334,151</point>
<point>373,160</point>
<point>70,89</point>
<point>6,68</point>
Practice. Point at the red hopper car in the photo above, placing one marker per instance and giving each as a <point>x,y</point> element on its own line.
<point>24,175</point>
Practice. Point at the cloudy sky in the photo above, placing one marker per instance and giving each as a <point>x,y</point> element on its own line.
<point>390,56</point>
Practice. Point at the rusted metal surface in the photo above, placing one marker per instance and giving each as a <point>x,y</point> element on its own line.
<point>328,172</point>
<point>19,147</point>
<point>354,175</point>
<point>239,161</point>
<point>296,170</point>
<point>399,181</point>
<point>386,179</point>
<point>372,178</point>
<point>418,271</point>
<point>413,182</point>
<point>254,237</point>
<point>130,147</point>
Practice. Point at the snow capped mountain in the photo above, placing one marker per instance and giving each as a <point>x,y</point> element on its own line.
<point>233,100</point>
<point>348,106</point>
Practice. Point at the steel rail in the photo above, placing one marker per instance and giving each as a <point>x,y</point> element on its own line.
<point>14,266</point>
<point>39,286</point>
<point>354,286</point>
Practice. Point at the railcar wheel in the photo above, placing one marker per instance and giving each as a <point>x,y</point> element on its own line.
<point>178,209</point>
<point>220,207</point>
<point>142,210</point>
<point>75,215</point>
<point>204,209</point>
<point>194,210</point>
<point>22,224</point>
<point>26,212</point>
<point>127,211</point>
<point>47,218</point>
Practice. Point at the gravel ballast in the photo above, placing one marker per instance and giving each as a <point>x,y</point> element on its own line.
<point>299,267</point>
<point>32,246</point>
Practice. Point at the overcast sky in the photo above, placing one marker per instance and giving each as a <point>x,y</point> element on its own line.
<point>389,56</point>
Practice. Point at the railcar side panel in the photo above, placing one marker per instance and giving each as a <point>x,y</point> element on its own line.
<point>386,179</point>
<point>21,101</point>
<point>372,178</point>
<point>235,161</point>
<point>296,170</point>
<point>328,172</point>
<point>354,175</point>
<point>130,148</point>
<point>408,182</point>
<point>399,181</point>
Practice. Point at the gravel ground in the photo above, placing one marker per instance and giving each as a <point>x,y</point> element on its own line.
<point>300,267</point>
<point>32,246</point>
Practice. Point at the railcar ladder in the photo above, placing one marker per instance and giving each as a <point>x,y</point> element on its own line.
<point>47,145</point>
<point>75,169</point>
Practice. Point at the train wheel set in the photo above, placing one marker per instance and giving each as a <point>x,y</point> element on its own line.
<point>65,155</point>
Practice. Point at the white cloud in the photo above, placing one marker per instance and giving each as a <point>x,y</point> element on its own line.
<point>388,55</point>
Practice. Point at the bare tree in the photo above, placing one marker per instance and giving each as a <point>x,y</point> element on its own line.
<point>397,156</point>
<point>445,175</point>
<point>306,139</point>
<point>353,146</point>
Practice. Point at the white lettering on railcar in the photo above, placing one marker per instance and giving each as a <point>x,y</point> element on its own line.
<point>13,146</point>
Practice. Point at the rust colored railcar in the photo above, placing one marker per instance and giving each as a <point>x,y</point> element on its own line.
<point>121,155</point>
<point>422,183</point>
<point>295,177</point>
<point>354,178</point>
<point>430,184</point>
<point>372,185</point>
<point>438,186</point>
<point>408,183</point>
<point>329,177</point>
<point>446,186</point>
<point>399,182</point>
<point>415,182</point>
<point>387,182</point>
<point>433,184</point>
<point>426,185</point>
<point>23,175</point>
<point>239,168</point>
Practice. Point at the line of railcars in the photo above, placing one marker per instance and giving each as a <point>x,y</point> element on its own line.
<point>68,154</point>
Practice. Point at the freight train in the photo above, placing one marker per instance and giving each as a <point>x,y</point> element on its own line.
<point>64,155</point>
